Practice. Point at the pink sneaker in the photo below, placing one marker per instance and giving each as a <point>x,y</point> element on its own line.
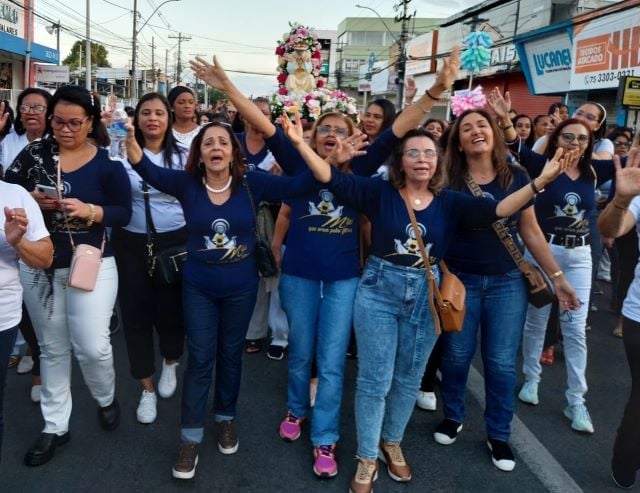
<point>325,464</point>
<point>290,427</point>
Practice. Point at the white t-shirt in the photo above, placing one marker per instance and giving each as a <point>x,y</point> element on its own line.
<point>631,305</point>
<point>602,145</point>
<point>10,287</point>
<point>11,146</point>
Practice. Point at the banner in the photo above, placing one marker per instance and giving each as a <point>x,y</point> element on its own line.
<point>51,73</point>
<point>549,63</point>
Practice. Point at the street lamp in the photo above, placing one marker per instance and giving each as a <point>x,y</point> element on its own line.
<point>381,20</point>
<point>136,31</point>
<point>55,27</point>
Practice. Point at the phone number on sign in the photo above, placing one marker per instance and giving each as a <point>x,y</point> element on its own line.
<point>607,76</point>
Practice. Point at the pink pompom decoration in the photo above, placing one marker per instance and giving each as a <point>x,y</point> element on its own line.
<point>462,101</point>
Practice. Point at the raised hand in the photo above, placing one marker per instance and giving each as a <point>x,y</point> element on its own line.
<point>212,73</point>
<point>557,165</point>
<point>410,90</point>
<point>15,225</point>
<point>501,105</point>
<point>293,131</point>
<point>4,116</point>
<point>555,117</point>
<point>346,149</point>
<point>449,71</point>
<point>134,152</point>
<point>628,178</point>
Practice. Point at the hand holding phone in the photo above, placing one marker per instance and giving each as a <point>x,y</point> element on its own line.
<point>50,192</point>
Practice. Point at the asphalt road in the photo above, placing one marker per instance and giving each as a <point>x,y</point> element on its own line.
<point>138,458</point>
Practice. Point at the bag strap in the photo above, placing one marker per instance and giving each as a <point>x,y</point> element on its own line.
<point>253,208</point>
<point>431,279</point>
<point>151,228</point>
<point>501,230</point>
<point>64,213</point>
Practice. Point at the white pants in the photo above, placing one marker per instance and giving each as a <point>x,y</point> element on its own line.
<point>576,265</point>
<point>71,319</point>
<point>277,317</point>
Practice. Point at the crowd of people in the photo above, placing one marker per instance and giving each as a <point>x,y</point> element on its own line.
<point>357,215</point>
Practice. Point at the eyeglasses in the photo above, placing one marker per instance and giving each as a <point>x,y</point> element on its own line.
<point>415,153</point>
<point>32,108</point>
<point>324,130</point>
<point>75,124</point>
<point>589,116</point>
<point>620,143</point>
<point>569,137</point>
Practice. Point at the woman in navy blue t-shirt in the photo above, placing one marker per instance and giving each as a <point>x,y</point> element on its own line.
<point>395,328</point>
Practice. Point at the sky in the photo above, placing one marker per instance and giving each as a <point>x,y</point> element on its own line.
<point>242,33</point>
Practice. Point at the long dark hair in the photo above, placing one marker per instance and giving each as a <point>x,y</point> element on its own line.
<point>169,143</point>
<point>388,112</point>
<point>18,126</point>
<point>396,174</point>
<point>456,160</point>
<point>90,104</point>
<point>532,133</point>
<point>194,164</point>
<point>584,165</point>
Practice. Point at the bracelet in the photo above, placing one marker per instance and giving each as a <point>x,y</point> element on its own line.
<point>420,106</point>
<point>535,189</point>
<point>504,127</point>
<point>555,275</point>
<point>92,216</point>
<point>431,96</point>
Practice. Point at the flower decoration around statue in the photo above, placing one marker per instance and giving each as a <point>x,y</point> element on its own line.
<point>299,60</point>
<point>468,99</point>
<point>313,104</point>
<point>477,54</point>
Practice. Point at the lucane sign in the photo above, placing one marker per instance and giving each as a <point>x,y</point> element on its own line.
<point>605,50</point>
<point>549,63</point>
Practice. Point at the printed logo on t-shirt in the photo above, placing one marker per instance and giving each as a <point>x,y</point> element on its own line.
<point>410,245</point>
<point>571,209</point>
<point>335,222</point>
<point>221,240</point>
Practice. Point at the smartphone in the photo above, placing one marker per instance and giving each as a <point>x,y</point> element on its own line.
<point>51,192</point>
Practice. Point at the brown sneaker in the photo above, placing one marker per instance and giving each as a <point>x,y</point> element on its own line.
<point>391,455</point>
<point>366,474</point>
<point>227,439</point>
<point>185,466</point>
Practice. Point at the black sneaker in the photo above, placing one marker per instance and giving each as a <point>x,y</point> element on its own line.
<point>447,432</point>
<point>501,455</point>
<point>275,352</point>
<point>622,479</point>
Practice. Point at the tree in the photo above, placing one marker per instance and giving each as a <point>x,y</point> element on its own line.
<point>98,55</point>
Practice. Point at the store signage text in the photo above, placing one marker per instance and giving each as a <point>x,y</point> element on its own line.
<point>552,61</point>
<point>618,50</point>
<point>9,14</point>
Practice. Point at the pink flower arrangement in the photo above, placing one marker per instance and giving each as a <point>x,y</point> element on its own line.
<point>313,104</point>
<point>297,36</point>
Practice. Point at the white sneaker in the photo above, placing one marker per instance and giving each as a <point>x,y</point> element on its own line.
<point>146,412</point>
<point>25,365</point>
<point>580,419</point>
<point>529,393</point>
<point>168,382</point>
<point>35,393</point>
<point>427,401</point>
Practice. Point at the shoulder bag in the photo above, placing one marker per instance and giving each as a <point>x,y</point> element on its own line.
<point>449,308</point>
<point>265,259</point>
<point>539,292</point>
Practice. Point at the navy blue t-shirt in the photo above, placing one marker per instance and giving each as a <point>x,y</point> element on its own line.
<point>479,250</point>
<point>101,182</point>
<point>392,235</point>
<point>221,238</point>
<point>253,160</point>
<point>566,204</point>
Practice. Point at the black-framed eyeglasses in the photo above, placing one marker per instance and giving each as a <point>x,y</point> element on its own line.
<point>620,143</point>
<point>416,153</point>
<point>324,130</point>
<point>75,124</point>
<point>32,108</point>
<point>570,137</point>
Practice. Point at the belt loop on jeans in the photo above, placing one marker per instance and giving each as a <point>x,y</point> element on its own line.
<point>568,241</point>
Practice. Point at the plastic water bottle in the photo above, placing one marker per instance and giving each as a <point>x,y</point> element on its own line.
<point>118,133</point>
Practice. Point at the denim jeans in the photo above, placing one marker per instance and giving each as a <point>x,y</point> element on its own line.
<point>7,339</point>
<point>576,265</point>
<point>496,306</point>
<point>320,316</point>
<point>215,328</point>
<point>395,333</point>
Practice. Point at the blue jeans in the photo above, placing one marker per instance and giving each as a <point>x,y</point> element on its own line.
<point>215,328</point>
<point>496,304</point>
<point>320,316</point>
<point>7,339</point>
<point>395,333</point>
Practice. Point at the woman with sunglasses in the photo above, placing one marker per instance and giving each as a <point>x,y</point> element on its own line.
<point>94,193</point>
<point>563,212</point>
<point>394,326</point>
<point>321,264</point>
<point>148,303</point>
<point>220,278</point>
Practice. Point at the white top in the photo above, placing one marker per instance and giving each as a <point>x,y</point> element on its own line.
<point>166,211</point>
<point>602,145</point>
<point>10,288</point>
<point>185,138</point>
<point>631,305</point>
<point>11,146</point>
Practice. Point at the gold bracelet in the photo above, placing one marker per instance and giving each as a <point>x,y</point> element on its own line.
<point>420,106</point>
<point>555,275</point>
<point>92,216</point>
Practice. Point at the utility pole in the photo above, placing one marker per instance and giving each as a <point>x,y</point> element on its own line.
<point>88,49</point>
<point>404,17</point>
<point>204,90</point>
<point>133,93</point>
<point>166,70</point>
<point>180,37</point>
<point>153,64</point>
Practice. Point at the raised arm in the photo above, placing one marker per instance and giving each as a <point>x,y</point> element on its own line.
<point>215,76</point>
<point>320,168</point>
<point>501,105</point>
<point>616,219</point>
<point>413,114</point>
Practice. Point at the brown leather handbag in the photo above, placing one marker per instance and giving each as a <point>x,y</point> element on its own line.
<point>449,308</point>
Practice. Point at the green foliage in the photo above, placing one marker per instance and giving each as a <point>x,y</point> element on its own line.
<point>99,55</point>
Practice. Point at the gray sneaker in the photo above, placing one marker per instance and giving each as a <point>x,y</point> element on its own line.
<point>529,393</point>
<point>227,440</point>
<point>580,419</point>
<point>185,466</point>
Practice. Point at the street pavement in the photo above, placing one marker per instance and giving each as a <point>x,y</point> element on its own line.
<point>138,458</point>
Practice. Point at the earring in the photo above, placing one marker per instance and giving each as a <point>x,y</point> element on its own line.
<point>231,165</point>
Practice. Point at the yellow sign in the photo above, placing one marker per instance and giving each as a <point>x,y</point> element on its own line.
<point>631,92</point>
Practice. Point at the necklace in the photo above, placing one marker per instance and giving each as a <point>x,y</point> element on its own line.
<point>417,201</point>
<point>218,190</point>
